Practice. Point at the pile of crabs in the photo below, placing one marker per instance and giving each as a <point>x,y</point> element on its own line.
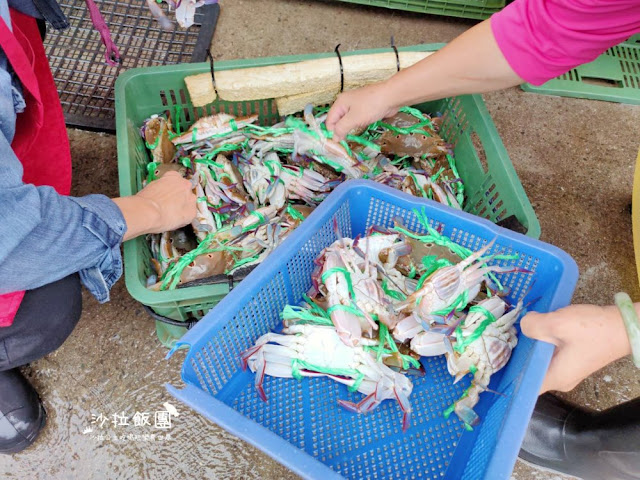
<point>255,184</point>
<point>380,302</point>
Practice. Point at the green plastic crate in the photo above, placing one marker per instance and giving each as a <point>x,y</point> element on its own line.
<point>614,77</point>
<point>473,9</point>
<point>493,188</point>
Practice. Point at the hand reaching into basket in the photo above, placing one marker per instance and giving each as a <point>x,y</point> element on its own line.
<point>358,108</point>
<point>472,63</point>
<point>163,205</point>
<point>587,338</point>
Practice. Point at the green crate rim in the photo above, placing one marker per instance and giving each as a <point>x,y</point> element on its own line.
<point>187,297</point>
<point>460,8</point>
<point>628,69</point>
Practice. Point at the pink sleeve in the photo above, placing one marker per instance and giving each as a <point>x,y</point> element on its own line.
<point>542,39</point>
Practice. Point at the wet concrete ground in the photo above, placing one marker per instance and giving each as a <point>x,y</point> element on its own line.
<point>574,157</point>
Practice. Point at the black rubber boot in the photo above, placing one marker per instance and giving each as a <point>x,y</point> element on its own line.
<point>586,444</point>
<point>22,415</point>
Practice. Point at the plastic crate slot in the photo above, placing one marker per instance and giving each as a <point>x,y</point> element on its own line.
<point>172,94</point>
<point>602,82</point>
<point>163,98</point>
<point>480,152</point>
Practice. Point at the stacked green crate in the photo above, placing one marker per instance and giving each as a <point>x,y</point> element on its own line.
<point>614,76</point>
<point>474,9</point>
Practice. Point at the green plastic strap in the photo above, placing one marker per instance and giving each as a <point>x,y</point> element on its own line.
<point>336,166</point>
<point>454,168</point>
<point>297,365</point>
<point>399,160</point>
<point>294,213</point>
<point>382,339</point>
<point>177,114</point>
<point>194,134</point>
<point>155,144</point>
<point>433,263</point>
<point>417,128</point>
<point>314,308</point>
<point>458,304</point>
<point>346,146</point>
<point>356,384</point>
<point>452,407</point>
<point>233,124</point>
<point>435,176</point>
<point>447,413</point>
<point>461,342</point>
<point>421,281</point>
<point>299,174</point>
<point>364,142</point>
<point>296,123</point>
<point>411,360</point>
<point>291,312</point>
<point>244,261</point>
<point>392,293</point>
<point>172,274</point>
<point>416,113</point>
<point>345,308</point>
<point>227,147</point>
<point>347,277</point>
<point>151,171</point>
<point>186,161</point>
<point>261,221</point>
<point>218,220</point>
<point>412,272</point>
<point>415,181</point>
<point>267,163</point>
<point>473,369</point>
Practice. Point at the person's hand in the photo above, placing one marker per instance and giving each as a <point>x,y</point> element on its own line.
<point>359,108</point>
<point>174,200</point>
<point>163,205</point>
<point>587,338</point>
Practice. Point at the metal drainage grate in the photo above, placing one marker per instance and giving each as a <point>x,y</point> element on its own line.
<point>76,55</point>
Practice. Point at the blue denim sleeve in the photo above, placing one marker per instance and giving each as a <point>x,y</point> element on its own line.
<point>46,236</point>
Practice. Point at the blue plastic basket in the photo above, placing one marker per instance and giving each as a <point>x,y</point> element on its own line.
<point>302,425</point>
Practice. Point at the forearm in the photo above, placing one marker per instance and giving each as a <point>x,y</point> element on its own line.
<point>47,236</point>
<point>472,63</point>
<point>140,215</point>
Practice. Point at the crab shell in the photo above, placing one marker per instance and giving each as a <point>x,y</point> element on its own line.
<point>164,150</point>
<point>413,144</point>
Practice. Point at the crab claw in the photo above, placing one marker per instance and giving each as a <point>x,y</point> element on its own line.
<point>467,415</point>
<point>350,406</point>
<point>262,364</point>
<point>405,406</point>
<point>247,354</point>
